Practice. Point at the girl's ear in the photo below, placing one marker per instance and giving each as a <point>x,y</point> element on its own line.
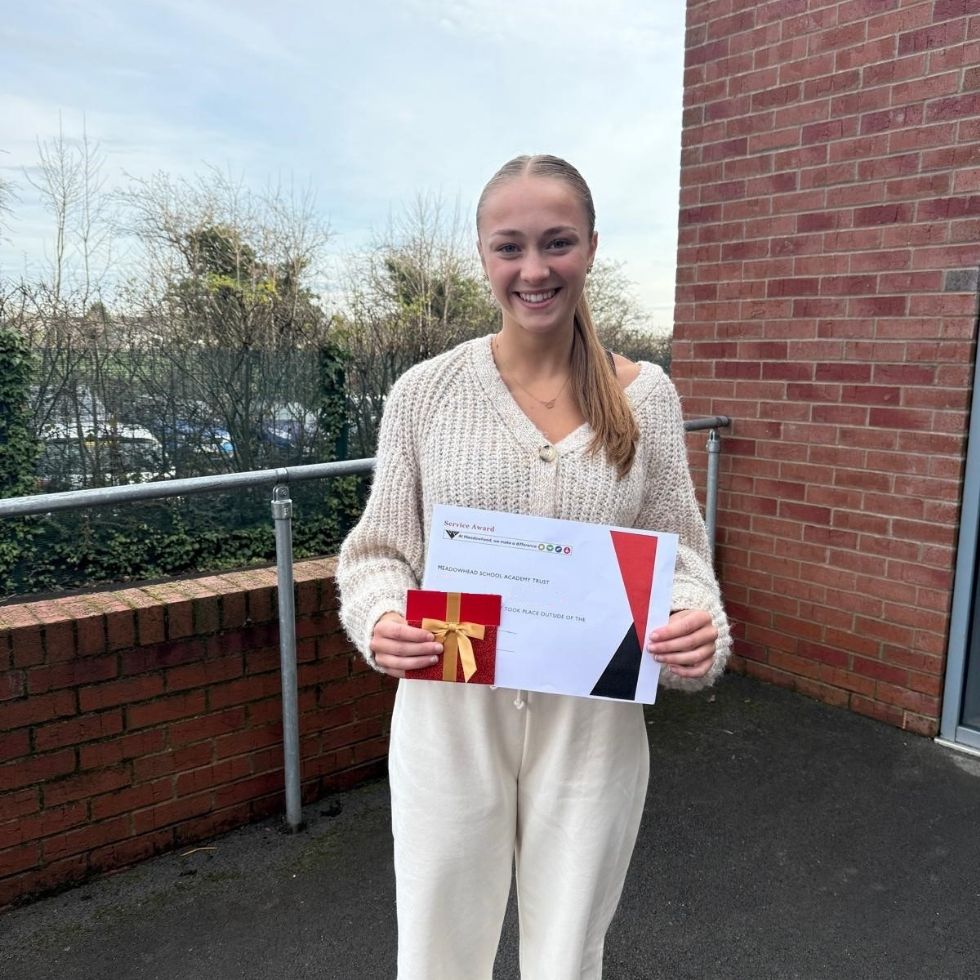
<point>593,245</point>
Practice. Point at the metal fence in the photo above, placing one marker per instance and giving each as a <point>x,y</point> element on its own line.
<point>282,514</point>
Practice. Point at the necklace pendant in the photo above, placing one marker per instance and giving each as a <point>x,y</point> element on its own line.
<point>550,404</point>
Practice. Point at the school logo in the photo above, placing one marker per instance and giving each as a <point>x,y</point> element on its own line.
<point>451,534</point>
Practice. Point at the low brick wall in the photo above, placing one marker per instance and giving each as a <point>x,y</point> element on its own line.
<point>143,719</point>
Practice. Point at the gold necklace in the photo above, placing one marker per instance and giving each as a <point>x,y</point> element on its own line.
<point>551,402</point>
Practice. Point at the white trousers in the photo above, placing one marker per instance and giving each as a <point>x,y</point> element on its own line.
<point>483,779</point>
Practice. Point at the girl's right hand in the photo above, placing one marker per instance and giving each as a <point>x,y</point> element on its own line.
<point>398,647</point>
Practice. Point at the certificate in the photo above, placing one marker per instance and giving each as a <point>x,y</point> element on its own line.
<point>578,599</point>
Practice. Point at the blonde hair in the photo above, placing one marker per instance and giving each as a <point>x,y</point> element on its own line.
<point>600,395</point>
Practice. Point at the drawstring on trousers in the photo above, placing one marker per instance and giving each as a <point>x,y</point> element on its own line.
<point>519,701</point>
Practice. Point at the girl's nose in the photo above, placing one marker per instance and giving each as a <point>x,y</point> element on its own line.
<point>535,268</point>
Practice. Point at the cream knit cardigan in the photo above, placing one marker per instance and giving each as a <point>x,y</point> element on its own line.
<point>452,433</point>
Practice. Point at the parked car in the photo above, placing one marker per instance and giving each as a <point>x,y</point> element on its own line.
<point>288,427</point>
<point>207,439</point>
<point>107,454</point>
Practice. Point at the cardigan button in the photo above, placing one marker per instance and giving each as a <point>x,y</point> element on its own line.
<point>548,453</point>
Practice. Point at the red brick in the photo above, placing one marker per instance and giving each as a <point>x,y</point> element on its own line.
<point>20,803</point>
<point>132,798</point>
<point>171,653</point>
<point>180,619</point>
<point>90,635</point>
<point>928,727</point>
<point>42,824</point>
<point>151,767</point>
<point>120,692</point>
<point>247,689</point>
<point>11,685</point>
<point>260,600</point>
<point>73,673</point>
<point>151,625</point>
<point>233,610</point>
<point>120,630</point>
<point>120,853</point>
<point>944,9</point>
<point>203,674</point>
<point>39,708</point>
<point>85,838</point>
<point>201,828</point>
<point>20,858</point>
<point>13,745</point>
<point>86,785</point>
<point>82,729</point>
<point>911,700</point>
<point>897,418</point>
<point>110,753</point>
<point>48,876</point>
<point>206,615</point>
<point>711,51</point>
<point>248,789</point>
<point>59,640</point>
<point>249,740</point>
<point>165,709</point>
<point>207,726</point>
<point>164,814</point>
<point>28,648</point>
<point>214,776</point>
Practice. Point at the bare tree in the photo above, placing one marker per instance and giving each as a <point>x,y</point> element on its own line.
<point>226,272</point>
<point>621,322</point>
<point>6,197</point>
<point>418,291</point>
<point>57,181</point>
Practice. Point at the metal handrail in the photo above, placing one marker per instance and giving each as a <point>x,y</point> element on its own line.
<point>282,513</point>
<point>45,503</point>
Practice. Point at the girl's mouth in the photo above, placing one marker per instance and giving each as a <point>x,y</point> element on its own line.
<point>538,299</point>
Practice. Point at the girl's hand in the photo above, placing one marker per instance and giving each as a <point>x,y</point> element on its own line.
<point>398,647</point>
<point>686,644</point>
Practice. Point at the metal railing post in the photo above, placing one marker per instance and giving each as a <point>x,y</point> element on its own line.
<point>282,515</point>
<point>711,491</point>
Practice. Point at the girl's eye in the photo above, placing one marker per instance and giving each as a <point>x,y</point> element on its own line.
<point>508,249</point>
<point>560,243</point>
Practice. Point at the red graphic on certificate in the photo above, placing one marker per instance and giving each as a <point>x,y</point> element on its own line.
<point>636,555</point>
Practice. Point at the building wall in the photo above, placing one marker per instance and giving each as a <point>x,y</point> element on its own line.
<point>826,300</point>
<point>139,720</point>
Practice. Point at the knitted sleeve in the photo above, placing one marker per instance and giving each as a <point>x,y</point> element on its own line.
<point>670,505</point>
<point>383,555</point>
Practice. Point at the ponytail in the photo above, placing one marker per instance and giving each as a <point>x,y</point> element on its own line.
<point>600,395</point>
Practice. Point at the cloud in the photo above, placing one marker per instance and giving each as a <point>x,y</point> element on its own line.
<point>623,27</point>
<point>374,102</point>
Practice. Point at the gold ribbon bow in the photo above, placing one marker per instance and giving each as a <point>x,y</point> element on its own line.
<point>455,639</point>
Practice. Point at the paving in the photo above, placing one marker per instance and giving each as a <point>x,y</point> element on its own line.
<point>782,839</point>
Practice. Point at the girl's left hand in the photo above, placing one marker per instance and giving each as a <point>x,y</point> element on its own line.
<point>686,644</point>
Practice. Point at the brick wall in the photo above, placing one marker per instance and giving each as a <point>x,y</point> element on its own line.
<point>143,719</point>
<point>826,300</point>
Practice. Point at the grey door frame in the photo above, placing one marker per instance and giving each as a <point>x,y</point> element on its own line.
<point>965,590</point>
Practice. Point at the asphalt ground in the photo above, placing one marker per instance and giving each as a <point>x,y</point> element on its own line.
<point>781,839</point>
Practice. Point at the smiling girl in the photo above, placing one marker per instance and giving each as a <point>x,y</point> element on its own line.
<point>536,419</point>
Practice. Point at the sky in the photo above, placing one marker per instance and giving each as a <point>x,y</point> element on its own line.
<point>369,104</point>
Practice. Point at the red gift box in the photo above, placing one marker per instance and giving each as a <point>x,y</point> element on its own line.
<point>466,624</point>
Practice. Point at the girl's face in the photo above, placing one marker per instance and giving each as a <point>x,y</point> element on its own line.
<point>536,247</point>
